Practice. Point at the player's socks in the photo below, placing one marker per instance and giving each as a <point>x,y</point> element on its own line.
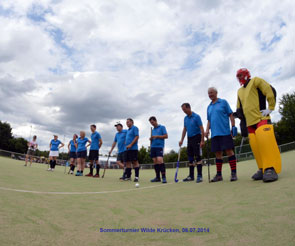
<point>91,169</point>
<point>128,172</point>
<point>136,170</point>
<point>163,170</point>
<point>199,170</point>
<point>219,166</point>
<point>50,163</point>
<point>233,163</point>
<point>191,172</point>
<point>157,170</point>
<point>53,164</point>
<point>97,169</point>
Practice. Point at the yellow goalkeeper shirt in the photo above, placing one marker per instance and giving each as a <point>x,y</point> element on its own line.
<point>252,99</point>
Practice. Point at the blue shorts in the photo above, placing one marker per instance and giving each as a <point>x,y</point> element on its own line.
<point>131,155</point>
<point>82,154</point>
<point>122,157</point>
<point>73,155</point>
<point>221,143</point>
<point>156,152</point>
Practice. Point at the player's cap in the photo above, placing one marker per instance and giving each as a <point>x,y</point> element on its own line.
<point>118,124</point>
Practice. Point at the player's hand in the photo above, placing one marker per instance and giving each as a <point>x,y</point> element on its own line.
<point>265,112</point>
<point>110,152</point>
<point>128,146</point>
<point>180,143</point>
<point>206,134</point>
<point>202,144</point>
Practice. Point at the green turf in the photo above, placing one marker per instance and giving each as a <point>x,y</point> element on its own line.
<point>240,213</point>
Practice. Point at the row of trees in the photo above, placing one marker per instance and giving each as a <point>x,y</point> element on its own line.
<point>284,130</point>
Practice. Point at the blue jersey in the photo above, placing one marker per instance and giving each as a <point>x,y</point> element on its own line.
<point>192,124</point>
<point>55,144</point>
<point>81,144</point>
<point>72,146</point>
<point>158,131</point>
<point>218,116</point>
<point>120,140</point>
<point>132,132</point>
<point>95,137</point>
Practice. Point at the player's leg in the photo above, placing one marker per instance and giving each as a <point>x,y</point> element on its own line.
<point>128,165</point>
<point>162,166</point>
<point>233,164</point>
<point>27,157</point>
<point>216,148</point>
<point>50,163</point>
<point>269,152</point>
<point>156,165</point>
<point>199,163</point>
<point>78,164</point>
<point>190,154</point>
<point>91,159</point>
<point>135,164</point>
<point>96,156</point>
<point>53,163</point>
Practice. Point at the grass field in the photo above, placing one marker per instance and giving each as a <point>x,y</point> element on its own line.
<point>240,213</point>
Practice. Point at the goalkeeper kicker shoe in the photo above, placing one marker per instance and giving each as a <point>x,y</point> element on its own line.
<point>233,177</point>
<point>270,175</point>
<point>217,178</point>
<point>258,175</point>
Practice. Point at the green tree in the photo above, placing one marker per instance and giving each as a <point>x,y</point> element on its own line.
<point>284,129</point>
<point>144,155</point>
<point>5,135</point>
<point>19,145</point>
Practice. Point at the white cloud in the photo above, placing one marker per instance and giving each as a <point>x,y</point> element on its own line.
<point>101,61</point>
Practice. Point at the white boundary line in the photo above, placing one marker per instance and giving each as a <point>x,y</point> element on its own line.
<point>82,193</point>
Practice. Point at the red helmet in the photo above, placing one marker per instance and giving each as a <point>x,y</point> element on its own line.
<point>243,75</point>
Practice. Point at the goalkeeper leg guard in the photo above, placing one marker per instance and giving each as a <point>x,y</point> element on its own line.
<point>268,148</point>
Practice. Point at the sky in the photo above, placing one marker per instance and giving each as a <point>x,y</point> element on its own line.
<point>66,64</point>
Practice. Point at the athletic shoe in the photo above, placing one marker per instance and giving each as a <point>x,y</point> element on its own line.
<point>121,178</point>
<point>71,172</point>
<point>189,178</point>
<point>127,179</point>
<point>217,178</point>
<point>155,180</point>
<point>49,169</point>
<point>164,181</point>
<point>233,177</point>
<point>270,175</point>
<point>258,175</point>
<point>96,176</point>
<point>25,165</point>
<point>136,179</point>
<point>80,174</point>
<point>199,179</point>
<point>89,175</point>
<point>77,173</point>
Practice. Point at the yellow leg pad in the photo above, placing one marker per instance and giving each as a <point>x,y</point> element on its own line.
<point>255,150</point>
<point>268,148</point>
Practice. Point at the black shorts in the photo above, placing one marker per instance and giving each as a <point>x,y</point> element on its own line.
<point>156,152</point>
<point>82,154</point>
<point>131,155</point>
<point>93,155</point>
<point>73,155</point>
<point>193,148</point>
<point>122,157</point>
<point>221,143</point>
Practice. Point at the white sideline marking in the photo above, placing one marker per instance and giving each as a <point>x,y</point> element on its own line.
<point>82,193</point>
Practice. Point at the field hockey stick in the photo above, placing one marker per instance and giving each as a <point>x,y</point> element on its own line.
<point>177,166</point>
<point>208,159</point>
<point>105,166</point>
